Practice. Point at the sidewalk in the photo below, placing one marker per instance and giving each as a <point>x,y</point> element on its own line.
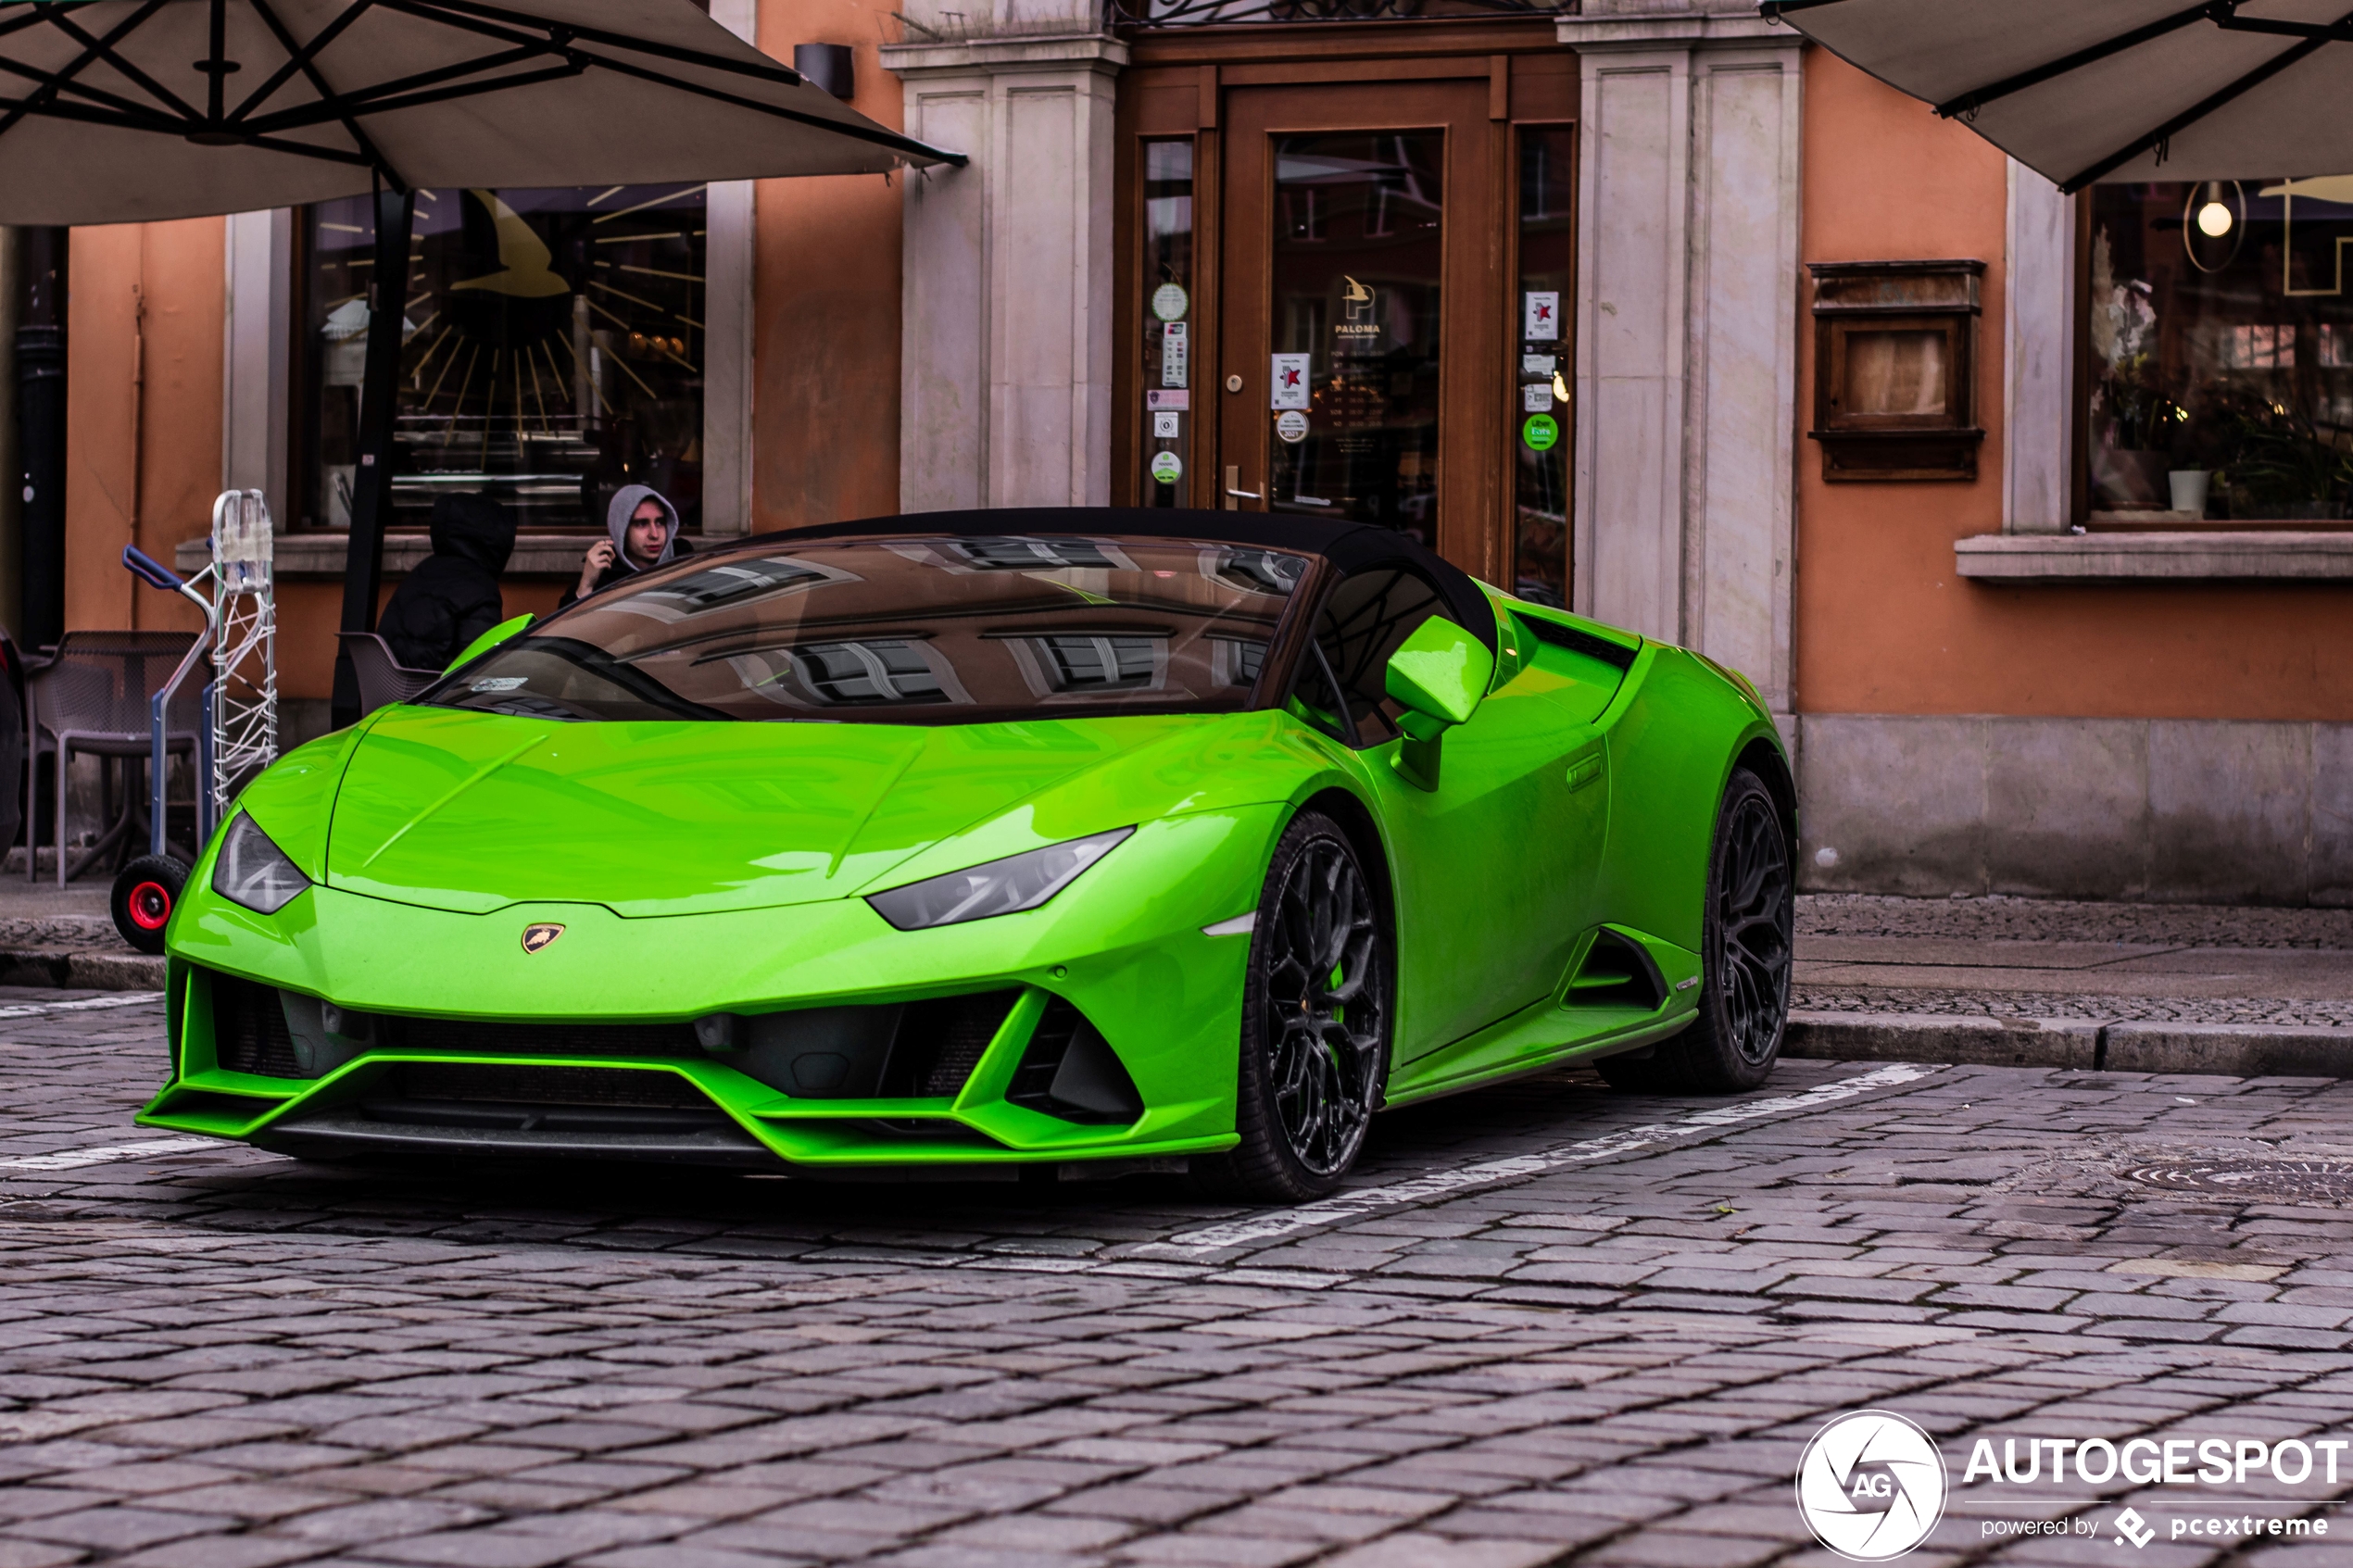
<point>2128,987</point>
<point>65,940</point>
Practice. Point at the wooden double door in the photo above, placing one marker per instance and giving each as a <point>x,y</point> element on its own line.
<point>1346,254</point>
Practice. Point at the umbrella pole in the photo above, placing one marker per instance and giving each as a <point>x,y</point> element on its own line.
<point>371,496</point>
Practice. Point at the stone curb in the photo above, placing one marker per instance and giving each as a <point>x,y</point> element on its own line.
<point>75,971</point>
<point>2237,1050</point>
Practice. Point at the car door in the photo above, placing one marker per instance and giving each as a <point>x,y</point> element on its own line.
<point>1494,867</point>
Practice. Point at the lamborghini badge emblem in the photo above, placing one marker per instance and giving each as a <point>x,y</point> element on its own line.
<point>538,936</point>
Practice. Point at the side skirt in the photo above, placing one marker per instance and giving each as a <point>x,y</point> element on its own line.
<point>1554,1031</point>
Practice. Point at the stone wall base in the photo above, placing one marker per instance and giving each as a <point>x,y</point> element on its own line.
<point>2163,810</point>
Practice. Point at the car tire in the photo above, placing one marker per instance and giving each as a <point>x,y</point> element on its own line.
<point>1318,1009</point>
<point>1745,949</point>
<point>1637,1072</point>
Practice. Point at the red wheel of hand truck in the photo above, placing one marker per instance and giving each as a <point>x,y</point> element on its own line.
<point>145,894</point>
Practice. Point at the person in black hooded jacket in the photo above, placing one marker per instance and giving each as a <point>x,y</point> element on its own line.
<point>452,597</point>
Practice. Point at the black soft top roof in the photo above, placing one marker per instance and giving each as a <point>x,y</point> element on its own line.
<point>1348,545</point>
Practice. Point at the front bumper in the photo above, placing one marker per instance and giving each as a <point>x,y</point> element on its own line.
<point>348,1024</point>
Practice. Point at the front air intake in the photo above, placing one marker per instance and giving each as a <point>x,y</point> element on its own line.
<point>249,1031</point>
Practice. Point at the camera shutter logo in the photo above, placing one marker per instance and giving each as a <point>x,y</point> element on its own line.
<point>1871,1485</point>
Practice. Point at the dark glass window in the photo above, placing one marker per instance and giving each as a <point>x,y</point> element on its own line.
<point>1167,447</point>
<point>1538,419</point>
<point>1356,271</point>
<point>2220,351</point>
<point>552,351</point>
<point>1367,616</point>
<point>904,629</point>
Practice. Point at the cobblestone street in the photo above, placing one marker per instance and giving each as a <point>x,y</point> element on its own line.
<point>1546,1323</point>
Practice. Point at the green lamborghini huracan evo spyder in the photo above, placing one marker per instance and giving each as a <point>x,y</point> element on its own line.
<point>996,837</point>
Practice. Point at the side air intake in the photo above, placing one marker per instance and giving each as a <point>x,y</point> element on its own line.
<point>1617,973</point>
<point>1070,1070</point>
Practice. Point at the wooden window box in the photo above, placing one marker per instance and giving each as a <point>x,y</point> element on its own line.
<point>1894,381</point>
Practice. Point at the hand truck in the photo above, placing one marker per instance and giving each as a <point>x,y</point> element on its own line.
<point>238,735</point>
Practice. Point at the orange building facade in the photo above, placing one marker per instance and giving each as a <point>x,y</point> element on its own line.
<point>1660,314</point>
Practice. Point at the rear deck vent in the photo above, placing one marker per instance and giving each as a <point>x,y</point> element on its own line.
<point>1617,973</point>
<point>249,1031</point>
<point>1616,656</point>
<point>1070,1070</point>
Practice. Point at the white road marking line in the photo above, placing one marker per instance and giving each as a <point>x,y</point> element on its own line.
<point>1363,1201</point>
<point>86,1004</point>
<point>106,1154</point>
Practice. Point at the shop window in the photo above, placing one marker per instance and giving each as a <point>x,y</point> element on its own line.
<point>2218,345</point>
<point>1169,318</point>
<point>552,351</point>
<point>1539,419</point>
<point>1894,387</point>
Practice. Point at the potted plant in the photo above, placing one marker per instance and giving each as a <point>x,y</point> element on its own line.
<point>2280,464</point>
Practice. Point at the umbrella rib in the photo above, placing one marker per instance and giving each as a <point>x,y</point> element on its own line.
<point>18,24</point>
<point>763,67</point>
<point>472,18</point>
<point>15,110</point>
<point>159,124</point>
<point>63,78</point>
<point>131,107</point>
<point>1977,97</point>
<point>2198,111</point>
<point>103,48</point>
<point>296,118</point>
<point>369,152</point>
<point>878,136</point>
<point>381,96</point>
<point>299,58</point>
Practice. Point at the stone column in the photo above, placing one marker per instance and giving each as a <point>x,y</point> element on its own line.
<point>1687,307</point>
<point>2038,358</point>
<point>1006,388</point>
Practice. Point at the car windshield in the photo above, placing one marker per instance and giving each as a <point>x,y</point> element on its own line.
<point>904,631</point>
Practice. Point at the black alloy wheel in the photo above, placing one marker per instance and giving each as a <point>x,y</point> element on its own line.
<point>1746,945</point>
<point>1315,1023</point>
<point>1753,936</point>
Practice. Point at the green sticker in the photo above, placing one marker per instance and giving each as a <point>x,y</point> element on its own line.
<point>1167,468</point>
<point>1540,431</point>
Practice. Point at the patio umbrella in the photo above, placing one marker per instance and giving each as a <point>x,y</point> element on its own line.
<point>115,111</point>
<point>2090,90</point>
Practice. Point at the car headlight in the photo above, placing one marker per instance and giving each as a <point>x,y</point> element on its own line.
<point>996,887</point>
<point>252,870</point>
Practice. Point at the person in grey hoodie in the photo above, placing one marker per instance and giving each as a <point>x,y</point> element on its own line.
<point>643,529</point>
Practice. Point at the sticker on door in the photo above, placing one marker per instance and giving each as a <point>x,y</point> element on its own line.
<point>1291,380</point>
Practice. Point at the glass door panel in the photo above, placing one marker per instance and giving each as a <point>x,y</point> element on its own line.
<point>1361,346</point>
<point>1355,318</point>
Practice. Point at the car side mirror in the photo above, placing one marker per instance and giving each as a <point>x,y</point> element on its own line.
<point>1439,674</point>
<point>491,639</point>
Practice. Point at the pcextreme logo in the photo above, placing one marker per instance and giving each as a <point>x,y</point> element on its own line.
<point>1871,1485</point>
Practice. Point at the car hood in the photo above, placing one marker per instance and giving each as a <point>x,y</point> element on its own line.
<point>473,812</point>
